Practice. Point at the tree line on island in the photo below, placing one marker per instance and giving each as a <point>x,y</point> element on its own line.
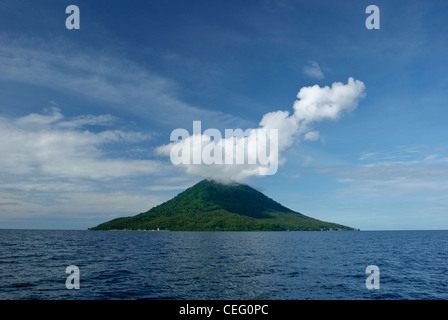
<point>213,206</point>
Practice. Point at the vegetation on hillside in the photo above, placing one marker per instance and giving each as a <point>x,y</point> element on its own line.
<point>211,206</point>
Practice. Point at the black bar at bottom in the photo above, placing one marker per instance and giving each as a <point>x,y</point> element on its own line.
<point>215,309</point>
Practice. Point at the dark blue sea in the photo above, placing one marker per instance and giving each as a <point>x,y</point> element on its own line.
<point>129,265</point>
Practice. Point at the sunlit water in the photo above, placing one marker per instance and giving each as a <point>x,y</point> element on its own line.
<point>223,265</point>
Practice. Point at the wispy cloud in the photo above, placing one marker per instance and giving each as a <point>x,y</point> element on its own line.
<point>116,81</point>
<point>403,156</point>
<point>47,144</point>
<point>393,183</point>
<point>81,209</point>
<point>78,166</point>
<point>405,172</point>
<point>313,70</point>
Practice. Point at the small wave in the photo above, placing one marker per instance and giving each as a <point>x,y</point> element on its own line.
<point>161,298</point>
<point>125,271</point>
<point>23,285</point>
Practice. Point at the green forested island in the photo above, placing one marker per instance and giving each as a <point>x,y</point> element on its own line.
<point>212,206</point>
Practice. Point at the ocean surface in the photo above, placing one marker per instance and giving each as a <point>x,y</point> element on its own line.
<point>130,265</point>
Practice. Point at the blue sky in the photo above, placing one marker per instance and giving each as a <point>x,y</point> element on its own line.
<point>83,111</point>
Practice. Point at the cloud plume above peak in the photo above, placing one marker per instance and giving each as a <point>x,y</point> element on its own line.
<point>314,104</point>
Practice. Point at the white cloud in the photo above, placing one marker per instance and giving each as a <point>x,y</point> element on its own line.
<point>313,70</point>
<point>51,146</point>
<point>52,115</point>
<point>314,104</point>
<point>311,136</point>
